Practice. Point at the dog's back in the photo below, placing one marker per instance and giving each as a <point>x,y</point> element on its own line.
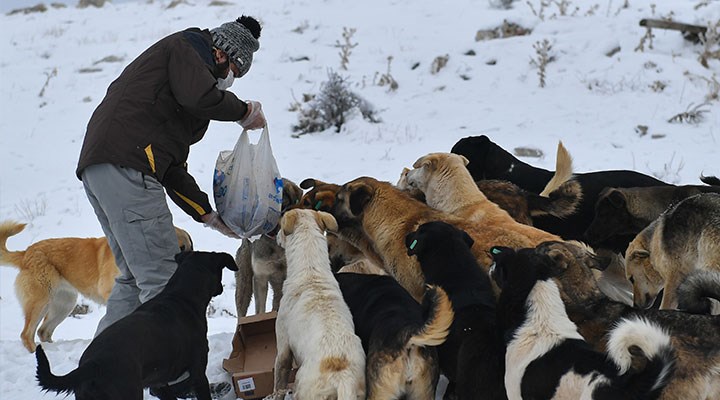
<point>398,334</point>
<point>627,211</point>
<point>692,229</point>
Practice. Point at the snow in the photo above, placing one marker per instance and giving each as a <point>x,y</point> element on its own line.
<point>52,78</point>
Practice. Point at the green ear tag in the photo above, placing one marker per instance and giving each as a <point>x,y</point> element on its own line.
<point>318,204</point>
<point>412,245</point>
<point>495,250</point>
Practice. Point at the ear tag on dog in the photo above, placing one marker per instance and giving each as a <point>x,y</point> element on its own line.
<point>318,204</point>
<point>413,244</point>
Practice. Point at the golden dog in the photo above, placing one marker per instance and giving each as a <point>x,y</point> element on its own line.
<point>53,271</point>
<point>449,187</point>
<point>684,238</point>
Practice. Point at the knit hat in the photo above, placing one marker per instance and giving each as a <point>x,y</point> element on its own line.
<point>239,39</point>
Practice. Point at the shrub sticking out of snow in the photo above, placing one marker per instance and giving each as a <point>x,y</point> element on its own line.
<point>331,107</point>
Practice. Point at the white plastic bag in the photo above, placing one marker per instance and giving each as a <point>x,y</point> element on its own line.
<point>247,186</point>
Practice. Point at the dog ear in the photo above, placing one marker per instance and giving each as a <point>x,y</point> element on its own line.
<point>616,198</point>
<point>288,220</point>
<point>326,221</point>
<point>324,200</point>
<point>464,159</point>
<point>599,263</point>
<point>429,161</point>
<point>413,242</point>
<point>310,183</point>
<point>498,270</point>
<point>560,257</point>
<point>468,240</point>
<point>500,252</point>
<point>180,257</point>
<point>402,183</point>
<point>291,193</point>
<point>360,195</point>
<point>226,261</point>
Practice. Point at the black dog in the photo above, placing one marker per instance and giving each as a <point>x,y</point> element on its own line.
<point>398,334</point>
<point>473,356</point>
<point>155,344</point>
<point>490,161</point>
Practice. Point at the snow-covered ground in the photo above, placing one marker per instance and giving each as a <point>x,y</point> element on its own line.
<point>55,67</point>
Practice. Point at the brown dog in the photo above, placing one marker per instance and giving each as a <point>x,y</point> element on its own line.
<point>349,245</point>
<point>53,271</point>
<point>684,238</point>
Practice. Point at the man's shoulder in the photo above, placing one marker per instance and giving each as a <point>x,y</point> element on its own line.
<point>198,34</point>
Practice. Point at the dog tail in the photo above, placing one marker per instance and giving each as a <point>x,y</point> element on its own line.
<point>7,229</point>
<point>710,180</point>
<point>563,170</point>
<point>61,384</point>
<point>561,202</point>
<point>440,316</point>
<point>697,289</point>
<point>650,346</point>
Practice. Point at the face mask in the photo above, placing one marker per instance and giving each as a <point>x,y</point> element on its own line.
<point>225,83</point>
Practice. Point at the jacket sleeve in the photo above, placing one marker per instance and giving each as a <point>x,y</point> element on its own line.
<point>184,191</point>
<point>193,86</point>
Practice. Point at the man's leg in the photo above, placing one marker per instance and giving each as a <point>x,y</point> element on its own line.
<point>132,209</point>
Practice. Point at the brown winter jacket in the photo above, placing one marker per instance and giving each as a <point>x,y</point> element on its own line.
<point>160,105</point>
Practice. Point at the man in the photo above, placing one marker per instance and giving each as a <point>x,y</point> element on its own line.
<point>137,143</point>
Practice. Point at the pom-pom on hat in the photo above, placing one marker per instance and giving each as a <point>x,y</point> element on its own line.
<point>239,39</point>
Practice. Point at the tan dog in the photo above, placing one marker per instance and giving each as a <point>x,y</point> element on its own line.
<point>449,187</point>
<point>314,325</point>
<point>560,197</point>
<point>684,238</point>
<point>53,271</point>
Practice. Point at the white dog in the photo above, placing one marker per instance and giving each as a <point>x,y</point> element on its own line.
<point>314,325</point>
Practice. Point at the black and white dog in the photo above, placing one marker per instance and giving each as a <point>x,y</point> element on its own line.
<point>153,345</point>
<point>547,358</point>
<point>472,356</point>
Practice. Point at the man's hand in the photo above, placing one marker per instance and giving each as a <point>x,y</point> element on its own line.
<point>213,220</point>
<point>254,119</point>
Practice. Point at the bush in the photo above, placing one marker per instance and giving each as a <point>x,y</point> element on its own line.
<point>331,107</point>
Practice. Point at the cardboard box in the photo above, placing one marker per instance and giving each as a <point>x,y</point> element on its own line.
<point>252,360</point>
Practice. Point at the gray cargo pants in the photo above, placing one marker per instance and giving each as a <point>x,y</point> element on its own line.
<point>133,212</point>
